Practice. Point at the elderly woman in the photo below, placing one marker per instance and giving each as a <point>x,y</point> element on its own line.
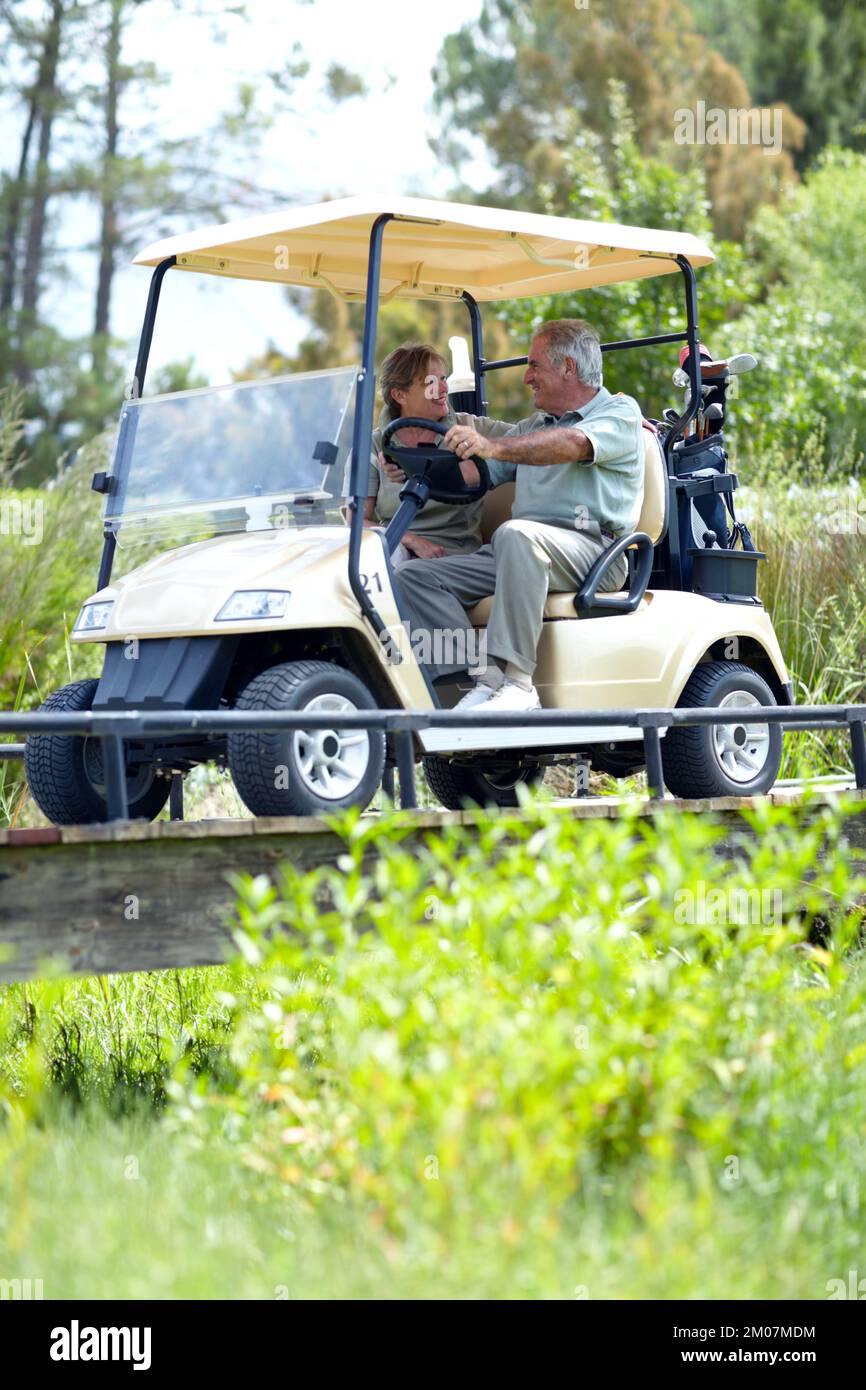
<point>413,382</point>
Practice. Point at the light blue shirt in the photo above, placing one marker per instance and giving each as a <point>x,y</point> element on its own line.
<point>606,490</point>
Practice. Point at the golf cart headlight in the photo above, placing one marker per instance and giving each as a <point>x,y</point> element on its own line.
<point>254,603</point>
<point>94,616</point>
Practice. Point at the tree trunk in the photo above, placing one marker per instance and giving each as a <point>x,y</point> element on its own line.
<point>46,104</point>
<point>13,212</point>
<point>109,236</point>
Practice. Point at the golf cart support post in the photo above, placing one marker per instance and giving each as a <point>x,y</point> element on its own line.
<point>100,480</point>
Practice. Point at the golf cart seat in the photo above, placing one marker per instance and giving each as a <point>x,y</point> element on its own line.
<point>652,524</point>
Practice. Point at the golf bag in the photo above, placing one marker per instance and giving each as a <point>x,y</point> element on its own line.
<point>705,501</point>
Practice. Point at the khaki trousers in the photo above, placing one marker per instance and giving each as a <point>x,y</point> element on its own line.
<point>525,561</point>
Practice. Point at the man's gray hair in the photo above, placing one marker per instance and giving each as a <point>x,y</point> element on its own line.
<point>577,339</point>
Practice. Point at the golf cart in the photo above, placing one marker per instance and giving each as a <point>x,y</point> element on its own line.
<point>260,594</point>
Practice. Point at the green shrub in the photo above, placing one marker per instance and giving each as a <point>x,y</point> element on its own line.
<point>51,542</point>
<point>516,1060</point>
<point>808,329</point>
<point>48,565</point>
<point>448,1055</point>
<point>814,587</point>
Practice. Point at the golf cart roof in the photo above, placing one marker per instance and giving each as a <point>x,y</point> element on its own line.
<point>431,250</point>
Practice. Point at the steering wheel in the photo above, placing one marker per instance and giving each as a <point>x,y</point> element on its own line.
<point>439,468</point>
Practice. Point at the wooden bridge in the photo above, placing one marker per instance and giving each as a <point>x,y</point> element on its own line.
<point>136,896</point>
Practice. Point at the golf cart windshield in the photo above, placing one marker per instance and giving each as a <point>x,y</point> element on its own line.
<point>247,457</point>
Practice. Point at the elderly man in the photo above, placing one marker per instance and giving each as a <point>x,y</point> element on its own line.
<point>577,465</point>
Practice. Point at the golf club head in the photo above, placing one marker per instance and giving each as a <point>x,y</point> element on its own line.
<point>681,379</point>
<point>742,362</point>
<point>738,364</point>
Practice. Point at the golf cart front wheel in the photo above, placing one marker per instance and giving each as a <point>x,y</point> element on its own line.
<point>739,759</point>
<point>66,774</point>
<point>306,772</point>
<point>457,785</point>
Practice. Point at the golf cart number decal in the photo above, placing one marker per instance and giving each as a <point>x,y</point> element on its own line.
<point>366,580</point>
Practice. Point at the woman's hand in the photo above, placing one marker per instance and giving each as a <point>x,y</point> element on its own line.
<point>422,549</point>
<point>391,471</point>
<point>410,438</point>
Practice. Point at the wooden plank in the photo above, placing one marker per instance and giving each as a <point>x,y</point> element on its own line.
<point>111,898</point>
<point>134,903</point>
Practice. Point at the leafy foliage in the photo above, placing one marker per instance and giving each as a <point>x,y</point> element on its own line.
<point>810,54</point>
<point>644,191</point>
<point>609,1088</point>
<point>48,564</point>
<point>86,130</point>
<point>808,329</point>
<point>524,79</point>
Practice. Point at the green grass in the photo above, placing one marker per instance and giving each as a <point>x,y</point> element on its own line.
<point>136,1213</point>
<point>814,586</point>
<point>475,1070</point>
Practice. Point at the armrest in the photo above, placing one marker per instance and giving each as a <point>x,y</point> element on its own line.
<point>589,604</point>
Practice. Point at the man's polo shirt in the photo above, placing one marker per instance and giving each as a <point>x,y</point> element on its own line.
<point>606,490</point>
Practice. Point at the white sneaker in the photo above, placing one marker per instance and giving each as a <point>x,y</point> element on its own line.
<point>510,696</point>
<point>478,695</point>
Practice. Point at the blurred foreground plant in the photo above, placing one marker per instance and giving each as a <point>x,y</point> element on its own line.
<point>506,1017</point>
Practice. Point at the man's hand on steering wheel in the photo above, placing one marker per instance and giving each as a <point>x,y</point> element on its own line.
<point>465,441</point>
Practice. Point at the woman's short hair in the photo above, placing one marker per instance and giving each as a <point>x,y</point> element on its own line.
<point>401,368</point>
<point>577,339</point>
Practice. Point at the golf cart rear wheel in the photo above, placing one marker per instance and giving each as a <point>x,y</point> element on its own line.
<point>306,772</point>
<point>66,777</point>
<point>724,759</point>
<point>458,784</point>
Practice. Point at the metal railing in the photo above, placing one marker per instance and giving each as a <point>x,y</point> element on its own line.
<point>117,727</point>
